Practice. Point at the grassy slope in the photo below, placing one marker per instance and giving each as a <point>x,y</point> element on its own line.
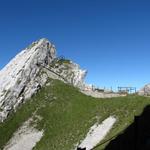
<point>68,114</point>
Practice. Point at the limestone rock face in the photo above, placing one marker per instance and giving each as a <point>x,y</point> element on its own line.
<point>20,79</point>
<point>145,90</point>
<point>69,71</point>
<point>29,71</point>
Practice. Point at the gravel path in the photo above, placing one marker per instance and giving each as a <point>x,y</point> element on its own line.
<point>101,94</point>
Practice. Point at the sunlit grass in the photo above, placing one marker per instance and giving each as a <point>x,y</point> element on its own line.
<point>68,114</point>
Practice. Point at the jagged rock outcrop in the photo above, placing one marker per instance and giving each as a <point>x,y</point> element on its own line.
<point>30,70</point>
<point>145,90</point>
<point>69,71</point>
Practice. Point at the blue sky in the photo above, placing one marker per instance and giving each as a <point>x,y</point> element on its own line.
<point>109,38</point>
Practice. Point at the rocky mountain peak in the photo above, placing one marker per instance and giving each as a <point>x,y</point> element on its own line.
<point>29,71</point>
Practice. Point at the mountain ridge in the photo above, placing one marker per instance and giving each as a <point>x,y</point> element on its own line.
<point>23,76</point>
<point>58,114</point>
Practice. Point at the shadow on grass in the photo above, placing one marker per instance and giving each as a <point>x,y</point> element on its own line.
<point>136,136</point>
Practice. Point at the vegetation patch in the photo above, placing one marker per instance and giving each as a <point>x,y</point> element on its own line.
<point>31,45</point>
<point>67,115</point>
<point>59,61</point>
<point>63,61</point>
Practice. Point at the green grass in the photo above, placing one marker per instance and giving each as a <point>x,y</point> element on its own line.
<point>58,62</point>
<point>63,61</point>
<point>68,114</point>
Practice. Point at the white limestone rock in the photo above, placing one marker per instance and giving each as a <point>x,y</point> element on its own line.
<point>97,133</point>
<point>29,71</point>
<point>145,90</point>
<point>69,71</point>
<point>20,79</point>
<point>25,138</point>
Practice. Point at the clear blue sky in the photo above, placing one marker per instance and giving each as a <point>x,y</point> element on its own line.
<point>109,38</point>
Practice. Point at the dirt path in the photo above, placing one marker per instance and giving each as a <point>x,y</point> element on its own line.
<point>101,95</point>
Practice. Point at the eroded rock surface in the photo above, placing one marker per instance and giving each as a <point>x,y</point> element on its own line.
<point>29,71</point>
<point>69,71</point>
<point>25,138</point>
